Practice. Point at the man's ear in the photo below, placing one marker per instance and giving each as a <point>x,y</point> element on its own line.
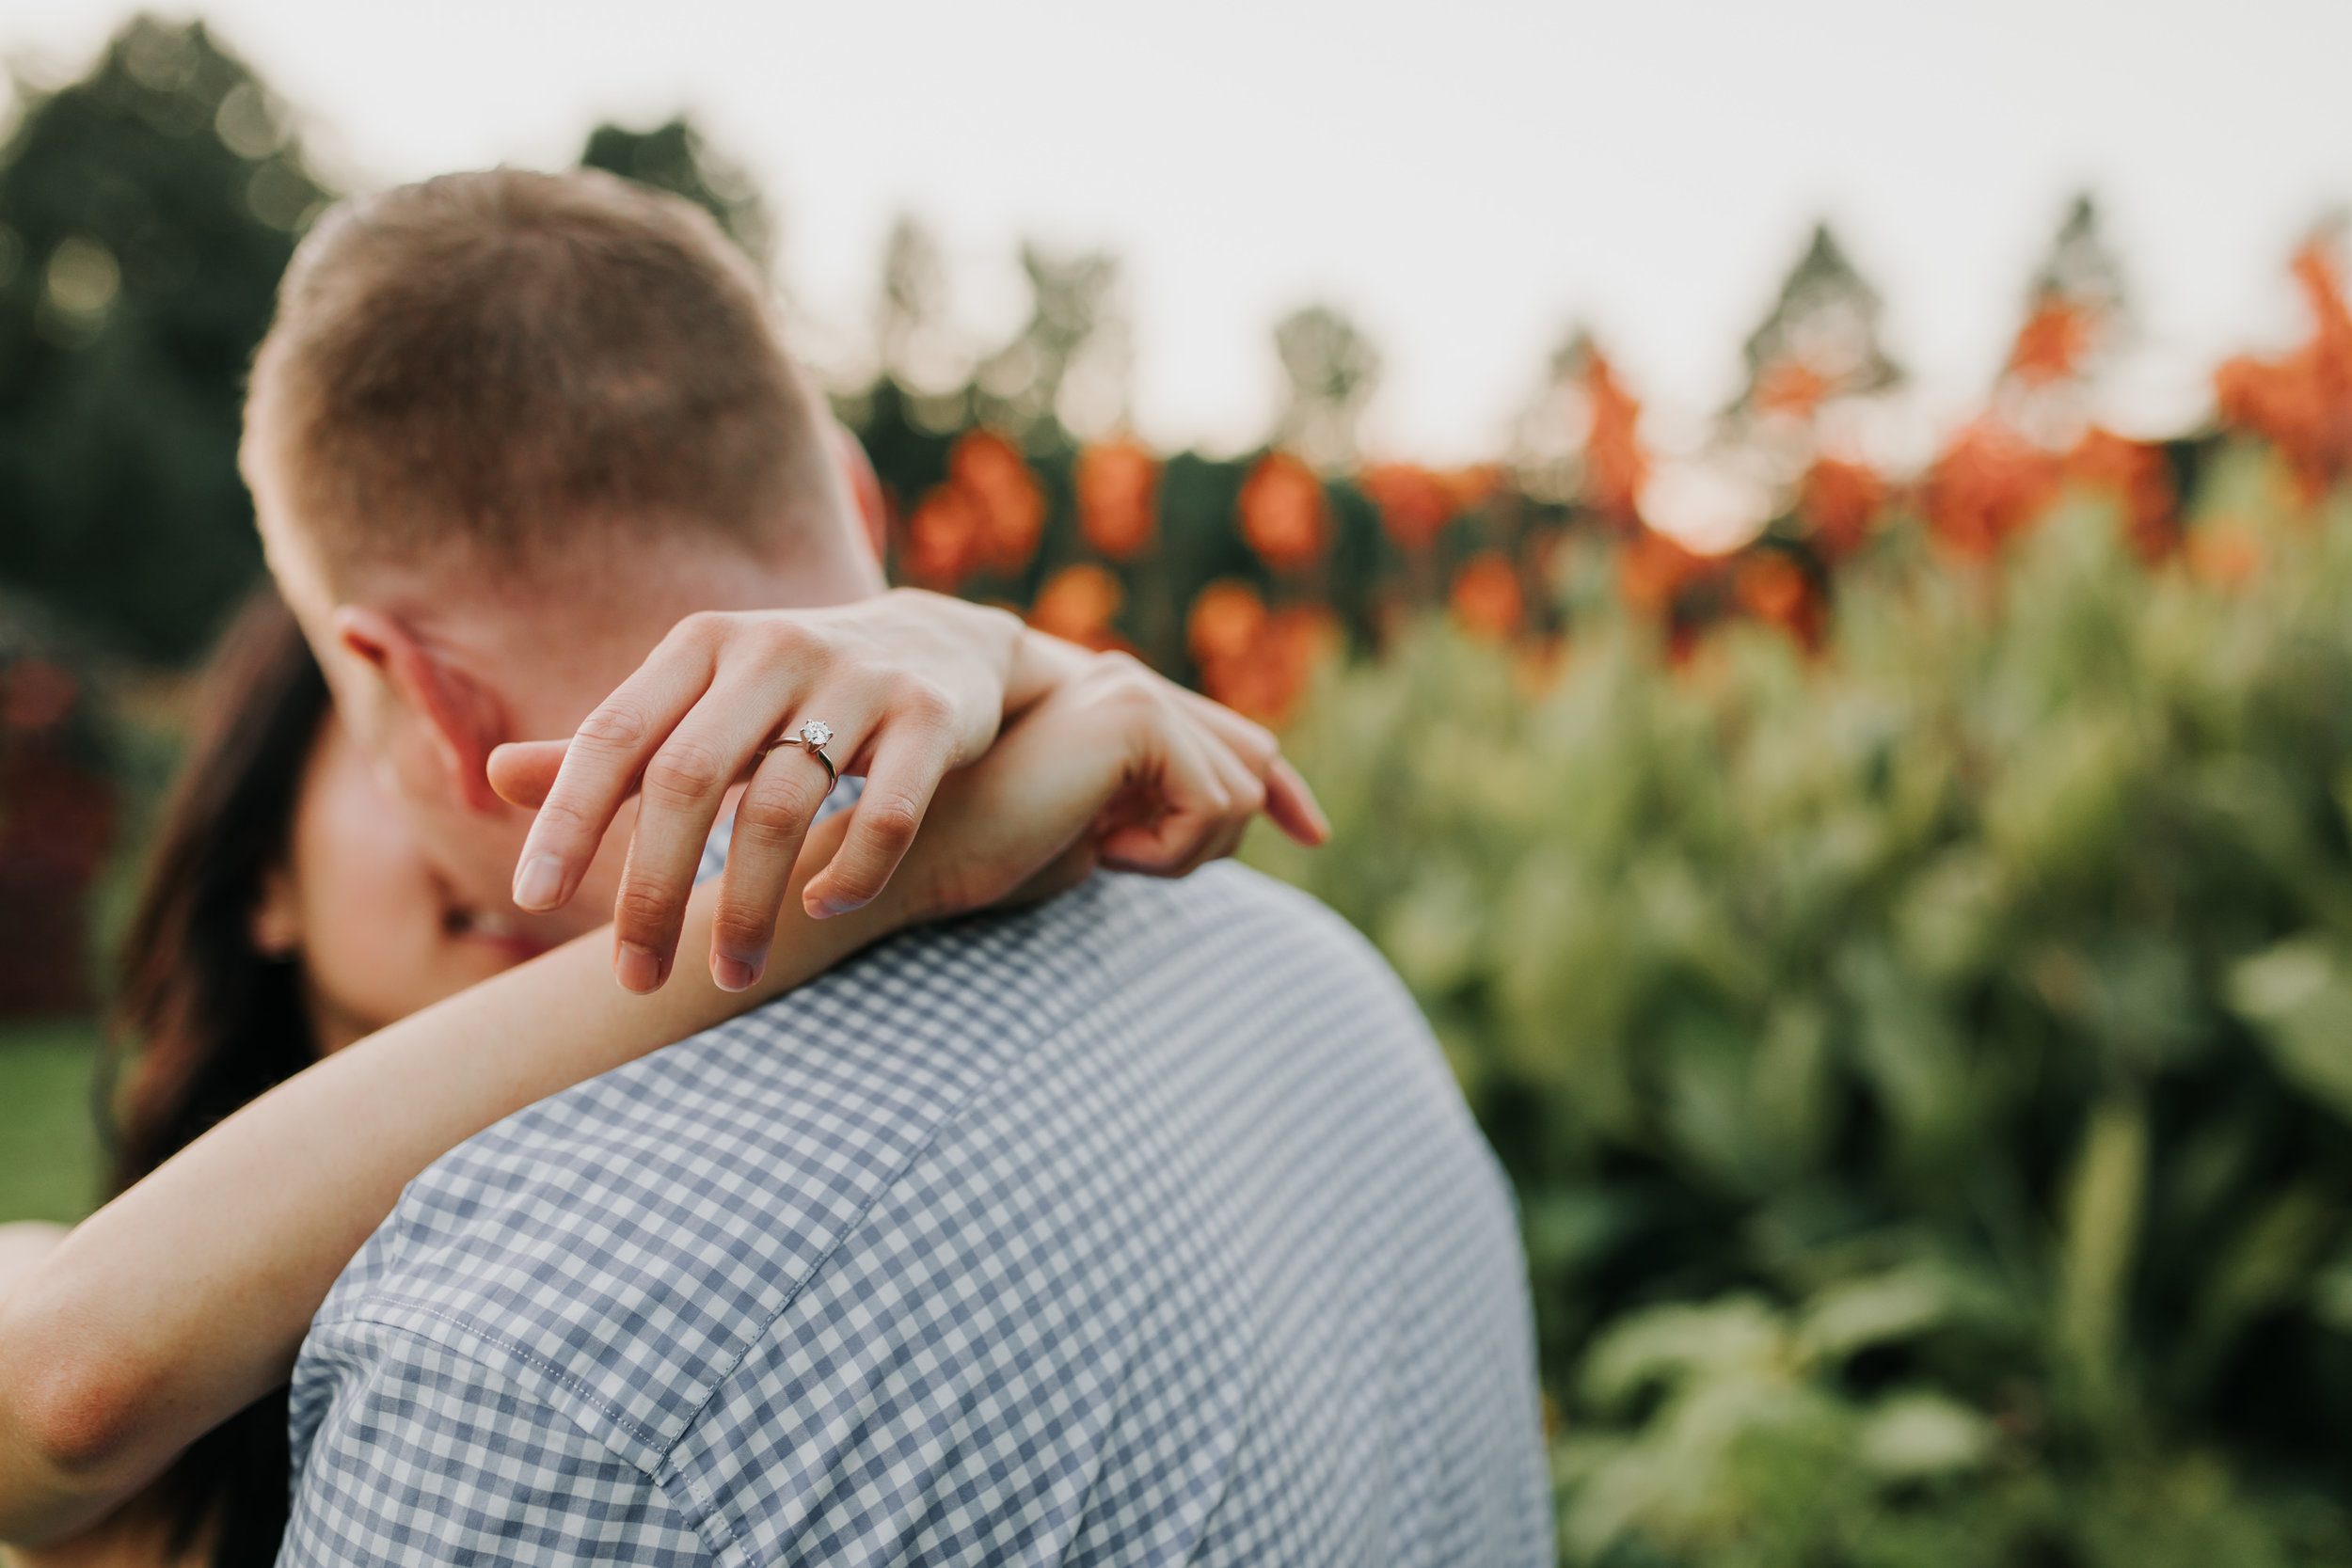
<point>857,471</point>
<point>465,721</point>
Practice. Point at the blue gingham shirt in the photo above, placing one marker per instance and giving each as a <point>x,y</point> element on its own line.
<point>1146,1227</point>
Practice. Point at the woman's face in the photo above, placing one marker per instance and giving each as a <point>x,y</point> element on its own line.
<point>377,932</point>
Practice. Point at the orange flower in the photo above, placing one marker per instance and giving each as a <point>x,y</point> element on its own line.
<point>1989,482</point>
<point>941,538</point>
<point>1791,387</point>
<point>2302,402</point>
<point>1076,605</point>
<point>2224,552</point>
<point>1471,487</point>
<point>1415,504</point>
<point>1012,507</point>
<point>1652,571</point>
<point>1267,685</point>
<point>1226,623</point>
<point>1773,587</point>
<point>2137,474</point>
<point>1486,600</point>
<point>1839,504</point>
<point>1256,662</point>
<point>1118,485</point>
<point>1284,514</point>
<point>1615,464</point>
<point>2053,343</point>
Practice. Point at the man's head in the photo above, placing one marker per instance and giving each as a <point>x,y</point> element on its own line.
<point>505,430</point>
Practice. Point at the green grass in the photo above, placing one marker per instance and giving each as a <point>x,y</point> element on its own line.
<point>48,1149</point>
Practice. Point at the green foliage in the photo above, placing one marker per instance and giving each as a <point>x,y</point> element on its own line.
<point>145,215</point>
<point>1925,1069</point>
<point>675,158</point>
<point>49,1171</point>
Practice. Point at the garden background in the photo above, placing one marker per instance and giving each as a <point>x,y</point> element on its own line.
<point>1904,963</point>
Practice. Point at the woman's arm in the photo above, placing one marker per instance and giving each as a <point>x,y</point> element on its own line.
<point>188,1296</point>
<point>913,686</point>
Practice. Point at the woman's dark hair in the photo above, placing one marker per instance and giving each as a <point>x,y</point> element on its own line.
<point>207,1021</point>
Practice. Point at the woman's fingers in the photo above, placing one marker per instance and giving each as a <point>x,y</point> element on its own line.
<point>1185,797</point>
<point>771,821</point>
<point>1289,804</point>
<point>683,786</point>
<point>1245,796</point>
<point>522,772</point>
<point>1293,807</point>
<point>911,753</point>
<point>608,754</point>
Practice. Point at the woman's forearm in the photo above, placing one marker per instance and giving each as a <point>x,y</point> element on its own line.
<point>186,1298</point>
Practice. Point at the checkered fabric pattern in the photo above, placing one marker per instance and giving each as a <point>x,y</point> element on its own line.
<point>1146,1227</point>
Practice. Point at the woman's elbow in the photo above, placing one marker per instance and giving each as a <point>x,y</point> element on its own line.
<point>76,1417</point>
<point>68,1417</point>
<point>66,1430</point>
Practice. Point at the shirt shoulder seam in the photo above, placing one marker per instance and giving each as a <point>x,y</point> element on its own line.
<point>519,1352</point>
<point>694,1516</point>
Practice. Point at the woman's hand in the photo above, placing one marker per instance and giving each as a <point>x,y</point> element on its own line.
<point>915,685</point>
<point>1118,767</point>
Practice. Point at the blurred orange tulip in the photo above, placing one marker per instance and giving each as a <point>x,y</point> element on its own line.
<point>2053,344</point>
<point>1615,464</point>
<point>1791,387</point>
<point>1774,589</point>
<point>1415,504</point>
<point>1284,514</point>
<point>2223,552</point>
<point>941,538</point>
<point>1226,623</point>
<point>1989,482</point>
<point>1838,505</point>
<point>1012,507</point>
<point>2137,474</point>
<point>1652,571</point>
<point>1118,485</point>
<point>2303,402</point>
<point>1255,661</point>
<point>1077,604</point>
<point>1471,487</point>
<point>1486,600</point>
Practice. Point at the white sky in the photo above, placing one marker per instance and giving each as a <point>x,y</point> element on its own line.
<point>1466,179</point>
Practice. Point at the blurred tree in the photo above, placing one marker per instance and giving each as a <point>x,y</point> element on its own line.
<point>676,158</point>
<point>914,296</point>
<point>1020,386</point>
<point>1819,341</point>
<point>2075,318</point>
<point>2081,267</point>
<point>145,213</point>
<point>926,379</point>
<point>1333,369</point>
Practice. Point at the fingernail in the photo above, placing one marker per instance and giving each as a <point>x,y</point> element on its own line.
<point>539,883</point>
<point>825,908</point>
<point>638,969</point>
<point>733,973</point>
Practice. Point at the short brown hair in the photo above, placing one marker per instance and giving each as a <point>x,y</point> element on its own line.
<point>503,359</point>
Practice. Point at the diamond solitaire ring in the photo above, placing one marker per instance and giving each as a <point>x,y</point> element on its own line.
<point>812,736</point>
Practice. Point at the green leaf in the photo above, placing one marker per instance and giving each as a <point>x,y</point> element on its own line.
<point>2299,1001</point>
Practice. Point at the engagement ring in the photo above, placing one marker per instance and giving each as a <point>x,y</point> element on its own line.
<point>816,735</point>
